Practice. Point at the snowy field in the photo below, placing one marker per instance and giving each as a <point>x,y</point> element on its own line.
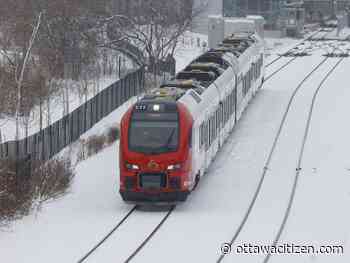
<point>66,229</point>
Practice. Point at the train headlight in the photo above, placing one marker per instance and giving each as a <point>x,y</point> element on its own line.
<point>131,166</point>
<point>173,167</point>
<point>156,107</point>
<point>291,21</point>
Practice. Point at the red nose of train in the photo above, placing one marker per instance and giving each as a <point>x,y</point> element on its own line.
<point>155,156</point>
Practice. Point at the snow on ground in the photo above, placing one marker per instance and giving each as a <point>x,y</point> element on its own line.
<point>321,213</point>
<point>66,229</point>
<point>8,125</point>
<point>214,211</point>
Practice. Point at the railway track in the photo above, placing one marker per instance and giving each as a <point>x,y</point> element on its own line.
<point>269,158</point>
<point>269,77</point>
<point>294,52</point>
<point>123,221</point>
<point>300,158</point>
<point>148,238</point>
<point>294,47</point>
<point>170,211</point>
<point>272,151</point>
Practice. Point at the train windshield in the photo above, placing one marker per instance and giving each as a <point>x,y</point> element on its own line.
<point>153,137</point>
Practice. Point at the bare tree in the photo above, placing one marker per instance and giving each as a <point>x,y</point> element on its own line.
<point>153,26</point>
<point>20,80</point>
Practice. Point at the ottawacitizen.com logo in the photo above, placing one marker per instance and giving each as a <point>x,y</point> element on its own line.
<point>285,248</point>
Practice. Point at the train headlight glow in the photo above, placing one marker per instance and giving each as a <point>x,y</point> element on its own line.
<point>156,107</point>
<point>131,166</point>
<point>174,167</point>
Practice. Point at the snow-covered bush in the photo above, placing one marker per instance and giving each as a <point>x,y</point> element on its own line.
<point>112,135</point>
<point>25,185</point>
<point>95,144</point>
<point>51,180</point>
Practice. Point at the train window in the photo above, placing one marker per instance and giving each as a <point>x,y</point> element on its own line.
<point>253,71</point>
<point>246,83</point>
<point>209,132</point>
<point>243,81</point>
<point>216,123</point>
<point>232,102</point>
<point>250,78</point>
<point>200,136</point>
<point>190,139</point>
<point>212,129</point>
<point>219,116</point>
<point>205,127</point>
<point>195,96</point>
<point>225,109</point>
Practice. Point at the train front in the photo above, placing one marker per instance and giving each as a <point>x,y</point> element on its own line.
<point>155,153</point>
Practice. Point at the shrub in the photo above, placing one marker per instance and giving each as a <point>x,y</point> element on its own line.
<point>26,184</point>
<point>16,195</point>
<point>112,135</point>
<point>51,180</point>
<point>95,144</point>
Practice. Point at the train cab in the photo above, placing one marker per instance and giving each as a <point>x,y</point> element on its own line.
<point>155,152</point>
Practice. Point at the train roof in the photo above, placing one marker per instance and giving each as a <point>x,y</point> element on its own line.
<point>205,69</point>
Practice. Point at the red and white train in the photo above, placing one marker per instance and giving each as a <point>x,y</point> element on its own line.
<point>169,138</point>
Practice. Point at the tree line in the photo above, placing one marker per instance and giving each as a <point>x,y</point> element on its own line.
<point>44,42</point>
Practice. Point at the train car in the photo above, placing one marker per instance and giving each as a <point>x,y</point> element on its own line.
<point>169,137</point>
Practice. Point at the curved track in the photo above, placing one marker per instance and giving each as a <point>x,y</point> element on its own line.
<point>298,169</point>
<point>266,166</point>
<point>148,238</point>
<point>289,50</point>
<point>123,221</point>
<point>104,239</point>
<point>300,158</point>
<point>271,153</point>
